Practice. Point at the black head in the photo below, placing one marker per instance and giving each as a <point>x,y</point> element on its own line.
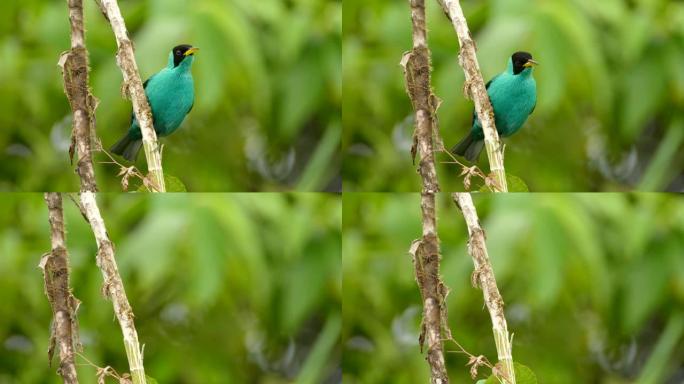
<point>521,60</point>
<point>180,52</point>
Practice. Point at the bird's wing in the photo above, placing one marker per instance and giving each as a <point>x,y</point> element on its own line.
<point>533,107</point>
<point>192,105</point>
<point>490,81</point>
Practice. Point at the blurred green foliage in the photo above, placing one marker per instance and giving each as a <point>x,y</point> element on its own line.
<point>610,109</point>
<point>268,92</point>
<point>239,288</point>
<point>593,286</point>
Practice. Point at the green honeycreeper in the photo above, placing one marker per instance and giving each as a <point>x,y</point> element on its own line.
<point>171,94</point>
<point>513,94</point>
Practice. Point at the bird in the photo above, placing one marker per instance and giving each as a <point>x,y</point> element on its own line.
<point>171,94</point>
<point>513,94</point>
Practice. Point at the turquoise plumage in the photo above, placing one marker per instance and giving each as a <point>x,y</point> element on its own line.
<point>513,94</point>
<point>171,94</point>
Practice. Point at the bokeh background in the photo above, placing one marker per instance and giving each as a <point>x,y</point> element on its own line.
<point>610,108</point>
<point>593,286</point>
<point>225,288</point>
<point>267,81</point>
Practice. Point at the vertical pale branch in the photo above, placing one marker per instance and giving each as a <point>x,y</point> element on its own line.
<point>475,87</point>
<point>125,59</point>
<point>55,266</point>
<point>483,275</point>
<point>74,64</point>
<point>425,251</point>
<point>113,286</point>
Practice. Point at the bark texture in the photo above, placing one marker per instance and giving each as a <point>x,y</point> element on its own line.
<point>476,90</point>
<point>425,251</point>
<point>125,59</point>
<point>74,64</point>
<point>55,266</point>
<point>426,262</point>
<point>416,64</point>
<point>483,276</point>
<point>113,287</point>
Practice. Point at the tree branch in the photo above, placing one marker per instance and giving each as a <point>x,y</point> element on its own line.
<point>426,259</point>
<point>55,266</point>
<point>74,64</point>
<point>113,285</point>
<point>125,59</point>
<point>425,251</point>
<point>476,90</point>
<point>483,275</point>
<point>416,64</point>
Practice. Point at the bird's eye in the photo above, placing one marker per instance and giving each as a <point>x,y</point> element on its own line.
<point>178,52</point>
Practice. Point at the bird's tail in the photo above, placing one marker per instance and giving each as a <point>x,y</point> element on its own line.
<point>469,147</point>
<point>127,147</point>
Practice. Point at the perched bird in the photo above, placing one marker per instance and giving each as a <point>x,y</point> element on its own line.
<point>513,94</point>
<point>171,94</point>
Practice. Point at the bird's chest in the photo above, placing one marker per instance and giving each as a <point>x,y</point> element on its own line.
<point>171,97</point>
<point>513,100</point>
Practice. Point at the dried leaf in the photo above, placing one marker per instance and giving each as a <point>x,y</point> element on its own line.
<point>126,173</point>
<point>44,260</point>
<point>475,362</point>
<point>405,59</point>
<point>491,183</point>
<point>498,371</point>
<point>415,244</point>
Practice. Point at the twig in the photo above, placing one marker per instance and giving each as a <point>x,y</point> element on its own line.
<point>468,172</point>
<point>74,64</point>
<point>475,89</point>
<point>126,173</point>
<point>104,372</point>
<point>475,362</point>
<point>55,266</point>
<point>113,287</point>
<point>483,275</point>
<point>125,59</point>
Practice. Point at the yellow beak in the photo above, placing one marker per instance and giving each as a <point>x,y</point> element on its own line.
<point>191,51</point>
<point>530,63</point>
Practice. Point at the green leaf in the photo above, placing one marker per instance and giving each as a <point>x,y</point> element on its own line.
<point>516,184</point>
<point>523,375</point>
<point>173,184</point>
<point>150,380</point>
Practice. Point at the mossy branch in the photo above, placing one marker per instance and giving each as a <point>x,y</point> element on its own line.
<point>55,266</point>
<point>425,251</point>
<point>74,64</point>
